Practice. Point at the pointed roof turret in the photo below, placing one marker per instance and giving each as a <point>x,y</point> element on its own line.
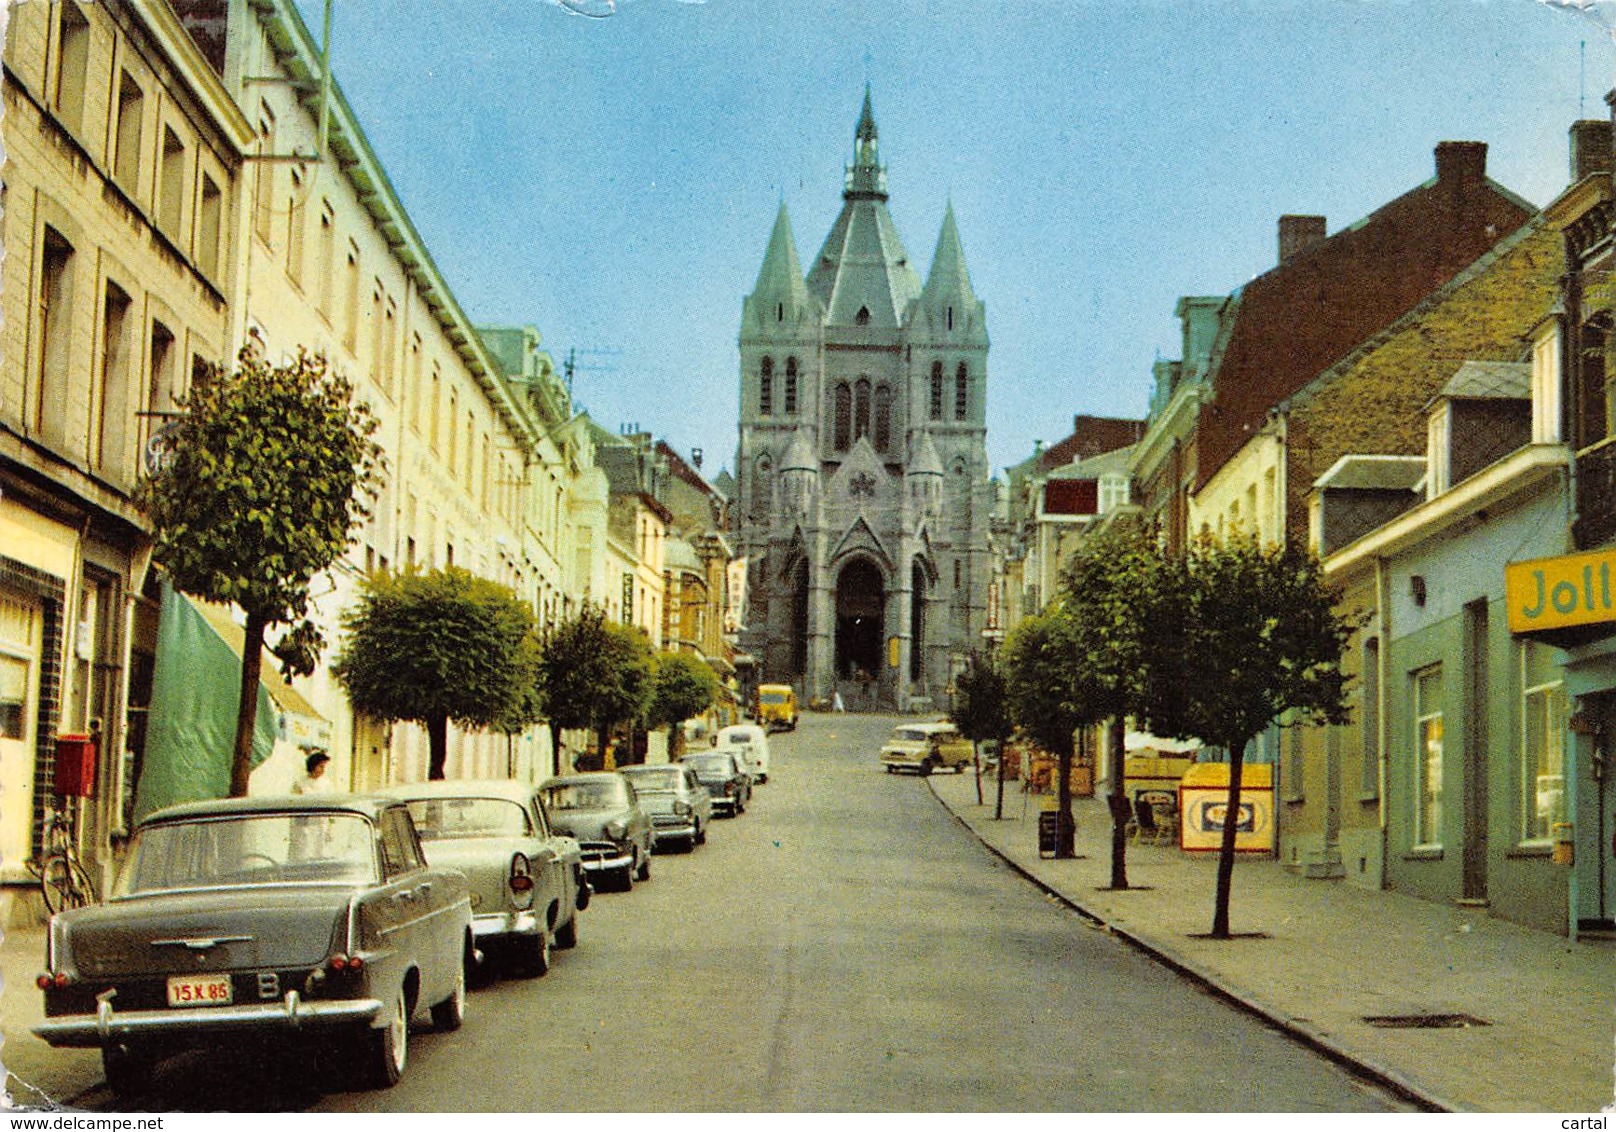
<point>862,275</point>
<point>799,455</point>
<point>949,278</point>
<point>923,459</point>
<point>866,178</point>
<point>780,293</point>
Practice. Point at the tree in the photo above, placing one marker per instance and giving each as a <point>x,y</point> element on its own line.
<point>439,646</point>
<point>682,686</point>
<point>1121,619</point>
<point>268,474</point>
<point>1041,657</point>
<point>625,695</point>
<point>572,665</point>
<point>982,713</point>
<point>1261,639</point>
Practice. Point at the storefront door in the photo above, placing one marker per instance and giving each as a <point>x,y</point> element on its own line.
<point>20,635</point>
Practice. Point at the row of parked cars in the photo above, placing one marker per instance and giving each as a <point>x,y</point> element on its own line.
<point>342,917</point>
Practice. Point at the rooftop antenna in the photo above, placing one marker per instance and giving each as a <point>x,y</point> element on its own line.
<point>1582,79</point>
<point>572,365</point>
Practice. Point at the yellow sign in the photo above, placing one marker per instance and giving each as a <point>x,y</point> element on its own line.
<point>892,652</point>
<point>1554,593</point>
<point>1204,803</point>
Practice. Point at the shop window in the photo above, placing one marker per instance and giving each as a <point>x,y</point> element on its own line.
<point>1428,739</point>
<point>1543,721</point>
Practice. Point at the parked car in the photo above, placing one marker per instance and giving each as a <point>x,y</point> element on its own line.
<point>753,743</point>
<point>303,916</point>
<point>926,747</point>
<point>601,810</point>
<point>527,881</point>
<point>777,707</point>
<point>723,772</point>
<point>679,805</point>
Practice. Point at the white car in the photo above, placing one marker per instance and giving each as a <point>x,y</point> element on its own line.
<point>752,742</point>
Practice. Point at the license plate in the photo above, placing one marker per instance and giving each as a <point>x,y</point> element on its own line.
<point>199,990</point>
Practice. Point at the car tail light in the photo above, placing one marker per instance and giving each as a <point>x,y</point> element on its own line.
<point>340,962</point>
<point>48,981</point>
<point>521,879</point>
<point>681,808</point>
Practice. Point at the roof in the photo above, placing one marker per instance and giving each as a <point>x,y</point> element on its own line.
<point>367,804</point>
<point>1485,381</point>
<point>1374,473</point>
<point>1308,312</point>
<point>462,788</point>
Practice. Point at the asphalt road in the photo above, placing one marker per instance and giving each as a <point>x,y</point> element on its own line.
<point>844,945</point>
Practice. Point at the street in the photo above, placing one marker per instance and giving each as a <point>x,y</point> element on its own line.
<point>844,945</point>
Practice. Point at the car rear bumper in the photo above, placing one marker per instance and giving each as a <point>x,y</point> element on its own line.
<point>670,826</point>
<point>493,924</point>
<point>605,856</point>
<point>288,1013</point>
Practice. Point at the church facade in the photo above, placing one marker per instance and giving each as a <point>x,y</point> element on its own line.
<point>863,503</point>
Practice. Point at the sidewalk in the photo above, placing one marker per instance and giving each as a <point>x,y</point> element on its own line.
<point>1331,954</point>
<point>36,1076</point>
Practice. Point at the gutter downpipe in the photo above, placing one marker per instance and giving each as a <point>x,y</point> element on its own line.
<point>1383,628</point>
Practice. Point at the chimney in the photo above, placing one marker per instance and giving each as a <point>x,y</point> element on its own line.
<point>1298,233</point>
<point>1590,148</point>
<point>1459,161</point>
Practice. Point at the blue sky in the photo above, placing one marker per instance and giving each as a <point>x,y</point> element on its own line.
<point>613,181</point>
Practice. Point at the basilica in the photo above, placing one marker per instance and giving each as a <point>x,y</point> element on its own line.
<point>862,494</point>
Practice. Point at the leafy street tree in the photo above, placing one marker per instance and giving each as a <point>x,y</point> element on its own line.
<point>573,665</point>
<point>1041,659</point>
<point>682,686</point>
<point>439,646</point>
<point>982,713</point>
<point>268,474</point>
<point>1262,639</point>
<point>625,695</point>
<point>1121,618</point>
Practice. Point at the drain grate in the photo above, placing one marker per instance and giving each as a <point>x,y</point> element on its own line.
<point>1426,1021</point>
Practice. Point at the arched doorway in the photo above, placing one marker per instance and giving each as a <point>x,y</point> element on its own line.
<point>860,620</point>
<point>917,623</point>
<point>799,618</point>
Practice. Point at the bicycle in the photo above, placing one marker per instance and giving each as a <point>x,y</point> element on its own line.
<point>63,880</point>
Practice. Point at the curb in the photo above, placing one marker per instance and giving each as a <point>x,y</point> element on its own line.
<point>1316,1040</point>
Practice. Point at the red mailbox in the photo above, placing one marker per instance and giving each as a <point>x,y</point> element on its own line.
<point>75,766</point>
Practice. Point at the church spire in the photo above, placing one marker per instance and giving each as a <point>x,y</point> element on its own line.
<point>949,278</point>
<point>780,294</point>
<point>866,177</point>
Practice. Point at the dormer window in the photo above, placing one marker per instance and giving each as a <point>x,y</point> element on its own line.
<point>863,316</point>
<point>1546,387</point>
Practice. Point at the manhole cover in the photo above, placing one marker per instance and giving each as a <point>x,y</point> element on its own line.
<point>1425,1021</point>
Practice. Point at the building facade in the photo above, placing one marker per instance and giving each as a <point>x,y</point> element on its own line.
<point>863,500</point>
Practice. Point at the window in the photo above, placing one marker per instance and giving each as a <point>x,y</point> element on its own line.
<point>766,387</point>
<point>328,255</point>
<point>264,176</point>
<point>791,387</point>
<point>159,379</point>
<point>209,223</point>
<point>454,402</point>
<point>951,318</point>
<point>861,408</point>
<point>416,393</point>
<point>883,418</point>
<point>53,305</point>
<point>294,229</point>
<point>126,152</point>
<point>109,408</point>
<point>1113,493</point>
<point>1546,387</point>
<point>1591,385</point>
<point>1436,451</point>
<point>350,325</point>
<point>171,184</point>
<point>762,489</point>
<point>432,407</point>
<point>1543,720</point>
<point>937,391</point>
<point>1369,717</point>
<point>1428,756</point>
<point>863,316</point>
<point>72,64</point>
<point>844,416</point>
<point>962,392</point>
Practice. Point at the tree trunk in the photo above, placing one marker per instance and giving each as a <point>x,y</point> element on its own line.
<point>555,750</point>
<point>437,745</point>
<point>252,664</point>
<point>976,764</point>
<point>1231,824</point>
<point>998,801</point>
<point>1117,756</point>
<point>1065,828</point>
<point>676,741</point>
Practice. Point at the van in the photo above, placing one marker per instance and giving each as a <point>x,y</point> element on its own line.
<point>777,707</point>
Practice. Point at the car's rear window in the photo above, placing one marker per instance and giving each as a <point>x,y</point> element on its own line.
<point>585,795</point>
<point>442,819</point>
<point>911,734</point>
<point>329,848</point>
<point>710,764</point>
<point>656,781</point>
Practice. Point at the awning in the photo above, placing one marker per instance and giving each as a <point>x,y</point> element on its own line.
<point>300,723</point>
<point>1145,741</point>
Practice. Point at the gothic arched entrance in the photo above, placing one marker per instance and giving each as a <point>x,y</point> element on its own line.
<point>860,620</point>
<point>799,618</point>
<point>917,623</point>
